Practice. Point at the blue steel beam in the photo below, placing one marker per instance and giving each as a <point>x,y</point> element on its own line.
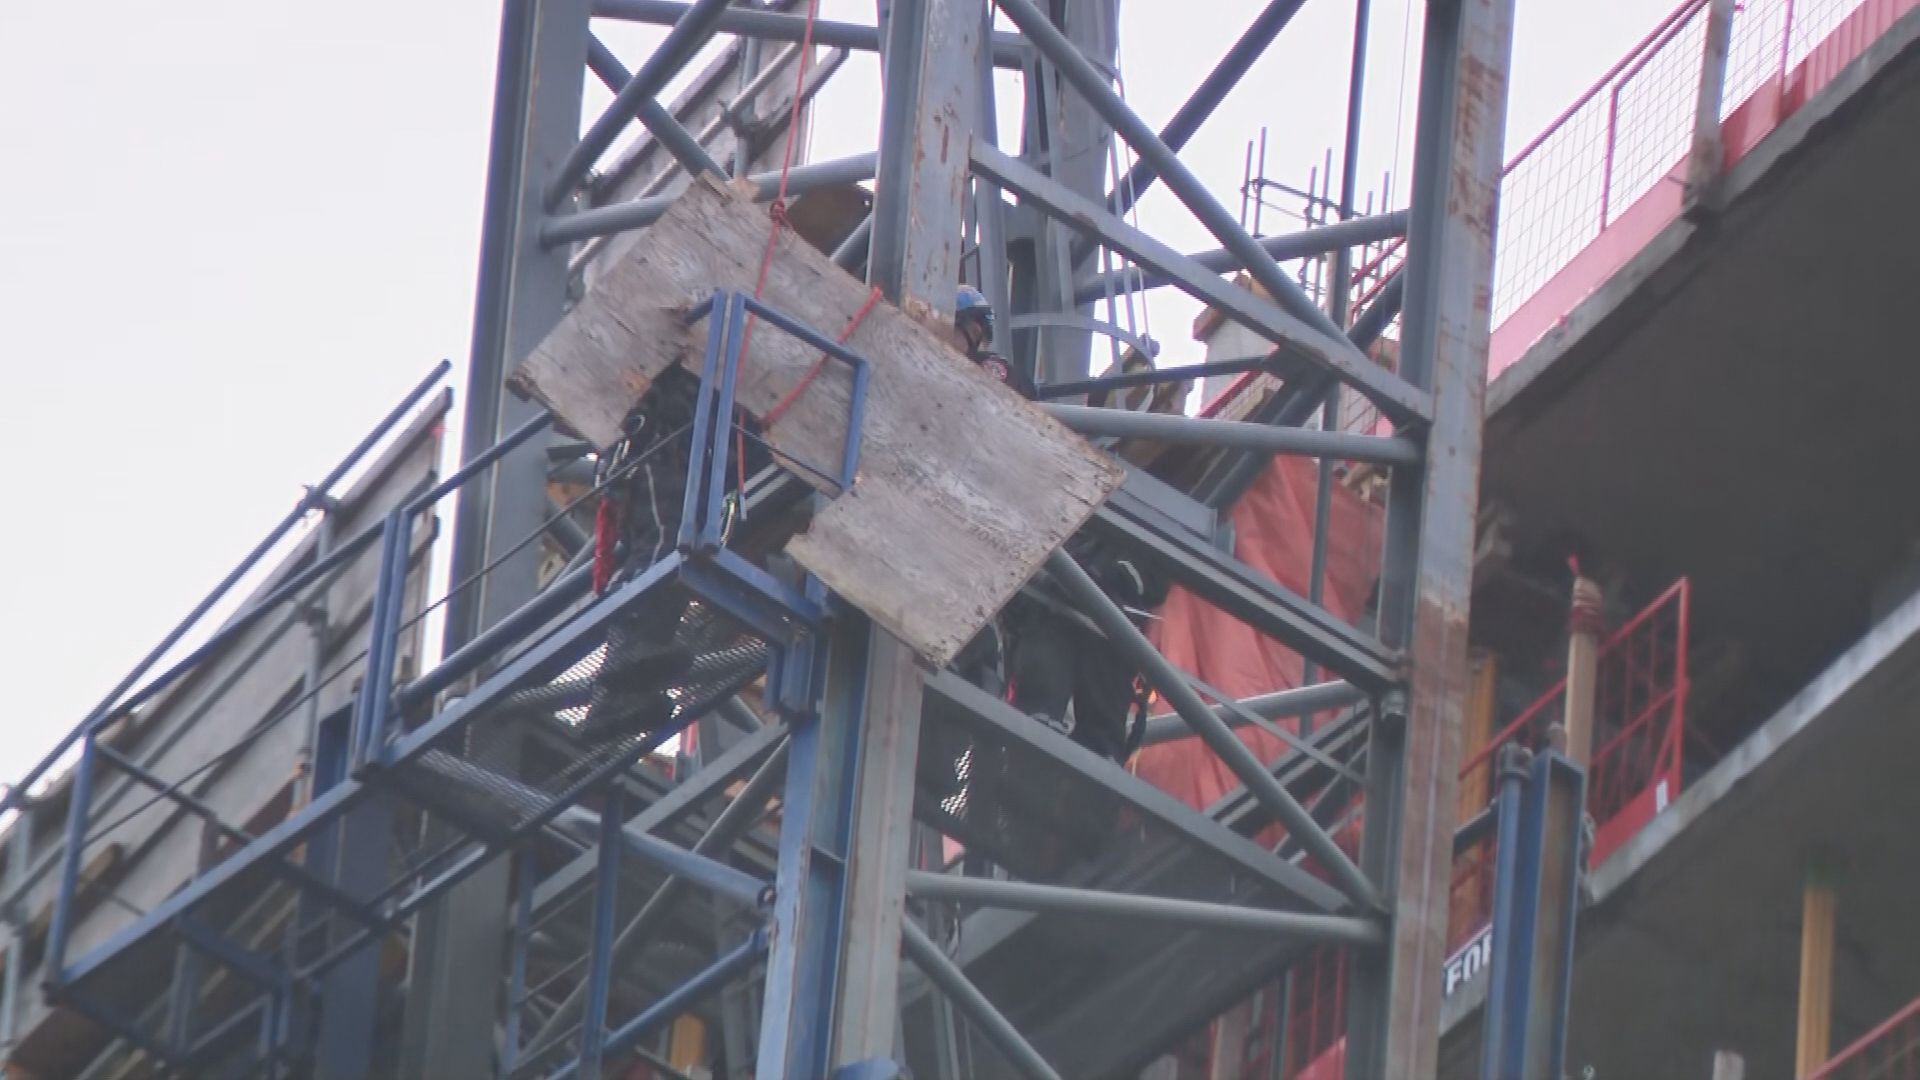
<point>688,35</point>
<point>1075,69</point>
<point>1313,339</point>
<point>606,895</point>
<point>654,116</point>
<point>1008,50</point>
<point>1224,483</point>
<point>1538,860</point>
<point>816,828</point>
<point>276,842</point>
<point>726,829</point>
<point>684,997</point>
<point>958,702</point>
<point>966,997</point>
<point>1305,244</point>
<point>1173,686</point>
<point>1247,595</point>
<point>1226,74</point>
<point>711,874</point>
<point>639,213</point>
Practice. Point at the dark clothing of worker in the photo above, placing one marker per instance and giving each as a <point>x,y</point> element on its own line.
<point>643,658</point>
<point>1003,369</point>
<point>982,661</point>
<point>1065,674</point>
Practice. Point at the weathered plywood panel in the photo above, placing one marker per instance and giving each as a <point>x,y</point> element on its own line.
<point>964,487</point>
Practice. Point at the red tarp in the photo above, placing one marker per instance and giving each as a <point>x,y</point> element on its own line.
<point>1273,534</point>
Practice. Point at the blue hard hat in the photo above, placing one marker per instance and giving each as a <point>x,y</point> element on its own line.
<point>971,300</point>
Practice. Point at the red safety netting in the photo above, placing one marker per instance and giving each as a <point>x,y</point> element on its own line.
<point>1273,530</point>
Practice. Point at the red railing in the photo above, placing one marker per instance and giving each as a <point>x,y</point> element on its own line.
<point>1317,1026</point>
<point>1589,191</point>
<point>1639,714</point>
<point>1888,1052</point>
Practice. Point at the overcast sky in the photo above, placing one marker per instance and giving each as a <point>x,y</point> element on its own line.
<point>236,231</point>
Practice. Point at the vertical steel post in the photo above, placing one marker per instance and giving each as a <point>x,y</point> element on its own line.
<point>1426,577</point>
<point>526,869</point>
<point>1542,805</point>
<point>989,208</point>
<point>79,798</point>
<point>1706,160</point>
<point>19,851</point>
<point>350,990</point>
<point>1339,300</point>
<point>927,119</point>
<point>1494,1030</point>
<point>606,896</point>
<point>315,616</point>
<point>521,294</point>
<point>810,883</point>
<point>1079,149</point>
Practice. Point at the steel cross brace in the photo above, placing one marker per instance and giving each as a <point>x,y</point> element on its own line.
<point>1249,596</point>
<point>956,701</point>
<point>1396,398</point>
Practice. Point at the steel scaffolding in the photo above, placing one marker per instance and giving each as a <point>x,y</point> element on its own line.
<point>554,897</point>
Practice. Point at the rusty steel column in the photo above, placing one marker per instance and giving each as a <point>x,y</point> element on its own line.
<point>1426,577</point>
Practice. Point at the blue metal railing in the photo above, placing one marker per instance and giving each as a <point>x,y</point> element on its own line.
<point>369,741</point>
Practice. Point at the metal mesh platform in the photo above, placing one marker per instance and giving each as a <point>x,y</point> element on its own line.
<point>261,911</point>
<point>494,776</point>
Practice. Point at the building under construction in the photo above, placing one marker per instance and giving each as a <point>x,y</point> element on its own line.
<point>1559,485</point>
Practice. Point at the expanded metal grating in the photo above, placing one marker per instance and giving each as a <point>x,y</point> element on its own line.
<point>497,776</point>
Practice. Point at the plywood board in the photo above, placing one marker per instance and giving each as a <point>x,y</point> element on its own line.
<point>963,488</point>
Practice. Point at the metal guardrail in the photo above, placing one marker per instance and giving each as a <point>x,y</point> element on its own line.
<point>1890,1051</point>
<point>1630,130</point>
<point>1639,717</point>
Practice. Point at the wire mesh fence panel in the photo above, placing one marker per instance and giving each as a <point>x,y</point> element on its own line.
<point>540,744</point>
<point>1632,130</point>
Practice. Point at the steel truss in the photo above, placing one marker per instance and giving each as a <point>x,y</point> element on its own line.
<point>816,908</point>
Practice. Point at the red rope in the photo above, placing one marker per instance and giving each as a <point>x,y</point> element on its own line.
<point>777,219</point>
<point>606,534</point>
<point>606,518</point>
<point>786,401</point>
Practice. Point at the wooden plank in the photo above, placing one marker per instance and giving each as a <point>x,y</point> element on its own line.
<point>963,487</point>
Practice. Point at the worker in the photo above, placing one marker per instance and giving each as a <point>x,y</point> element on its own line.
<point>1064,674</point>
<point>973,322</point>
<point>1040,654</point>
<point>642,507</point>
<point>982,661</point>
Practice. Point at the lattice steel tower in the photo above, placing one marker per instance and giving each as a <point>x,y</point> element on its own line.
<point>545,885</point>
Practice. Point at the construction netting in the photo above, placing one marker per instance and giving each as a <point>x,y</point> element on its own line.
<point>1273,533</point>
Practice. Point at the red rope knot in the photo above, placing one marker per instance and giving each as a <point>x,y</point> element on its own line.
<point>777,210</point>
